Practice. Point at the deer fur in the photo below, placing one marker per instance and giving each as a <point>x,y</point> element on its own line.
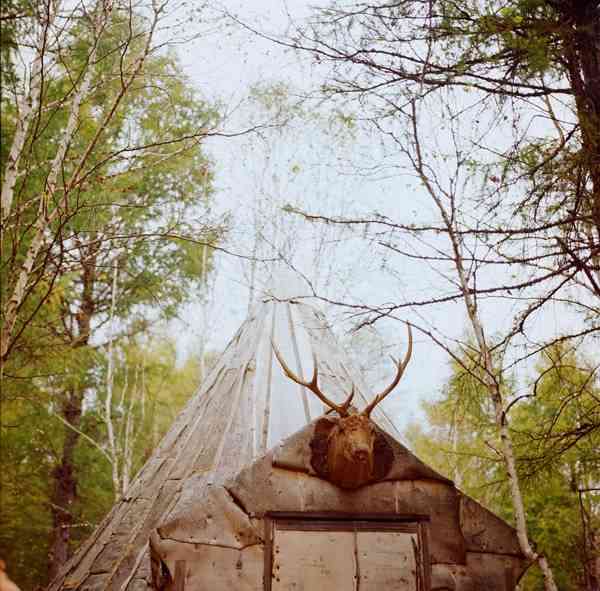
<point>349,450</point>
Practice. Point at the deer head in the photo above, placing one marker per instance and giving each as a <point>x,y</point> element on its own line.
<point>348,449</point>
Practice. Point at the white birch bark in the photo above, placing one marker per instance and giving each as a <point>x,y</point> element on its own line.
<point>45,218</point>
<point>27,107</point>
<point>130,434</point>
<point>110,430</point>
<point>491,383</point>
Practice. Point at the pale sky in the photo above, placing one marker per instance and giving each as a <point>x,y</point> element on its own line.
<point>304,166</point>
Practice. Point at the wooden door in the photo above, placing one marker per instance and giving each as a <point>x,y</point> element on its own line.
<point>346,555</point>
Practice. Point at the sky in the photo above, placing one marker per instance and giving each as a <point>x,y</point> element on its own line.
<point>224,67</point>
<point>309,166</point>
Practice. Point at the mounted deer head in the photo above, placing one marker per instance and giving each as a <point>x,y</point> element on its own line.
<point>348,449</point>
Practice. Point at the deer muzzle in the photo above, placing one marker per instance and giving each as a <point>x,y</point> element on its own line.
<point>362,454</point>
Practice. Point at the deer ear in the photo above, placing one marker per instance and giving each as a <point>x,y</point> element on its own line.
<point>383,456</point>
<point>319,444</point>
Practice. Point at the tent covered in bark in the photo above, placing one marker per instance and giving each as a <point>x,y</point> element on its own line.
<point>237,495</point>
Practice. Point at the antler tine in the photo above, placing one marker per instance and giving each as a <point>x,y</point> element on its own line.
<point>401,367</point>
<point>346,403</point>
<point>342,409</point>
<point>288,372</point>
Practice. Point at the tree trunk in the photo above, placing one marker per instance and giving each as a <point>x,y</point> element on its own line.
<point>592,566</point>
<point>64,474</point>
<point>65,486</point>
<point>447,213</point>
<point>27,110</point>
<point>582,58</point>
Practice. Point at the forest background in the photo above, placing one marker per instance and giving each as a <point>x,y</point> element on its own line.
<point>432,162</point>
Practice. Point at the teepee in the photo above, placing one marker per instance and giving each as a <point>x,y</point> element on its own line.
<point>233,499</point>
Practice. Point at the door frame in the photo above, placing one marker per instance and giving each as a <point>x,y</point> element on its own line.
<point>342,521</point>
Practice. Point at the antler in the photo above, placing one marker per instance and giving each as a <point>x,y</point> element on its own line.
<point>401,367</point>
<point>341,409</point>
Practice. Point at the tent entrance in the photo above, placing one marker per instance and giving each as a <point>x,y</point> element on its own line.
<point>309,554</point>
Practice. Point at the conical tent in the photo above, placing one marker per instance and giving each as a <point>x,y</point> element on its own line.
<point>230,498</point>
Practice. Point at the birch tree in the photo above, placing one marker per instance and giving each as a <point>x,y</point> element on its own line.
<point>444,197</point>
<point>105,178</point>
<point>92,70</point>
<point>558,460</point>
<point>524,81</point>
<point>505,206</point>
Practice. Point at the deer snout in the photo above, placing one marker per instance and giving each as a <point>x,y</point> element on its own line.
<point>361,451</point>
<point>361,454</point>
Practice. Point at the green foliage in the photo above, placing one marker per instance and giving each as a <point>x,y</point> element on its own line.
<point>463,429</point>
<point>129,220</point>
<point>558,441</point>
<point>32,437</point>
<point>27,458</point>
<point>12,26</point>
<point>556,437</point>
<point>143,198</point>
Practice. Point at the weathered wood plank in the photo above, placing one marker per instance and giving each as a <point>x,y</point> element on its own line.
<point>482,571</point>
<point>313,560</point>
<point>388,560</point>
<point>215,567</point>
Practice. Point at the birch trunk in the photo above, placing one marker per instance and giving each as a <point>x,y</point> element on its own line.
<point>27,107</point>
<point>112,443</point>
<point>493,388</point>
<point>45,219</point>
<point>447,214</point>
<point>130,436</point>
